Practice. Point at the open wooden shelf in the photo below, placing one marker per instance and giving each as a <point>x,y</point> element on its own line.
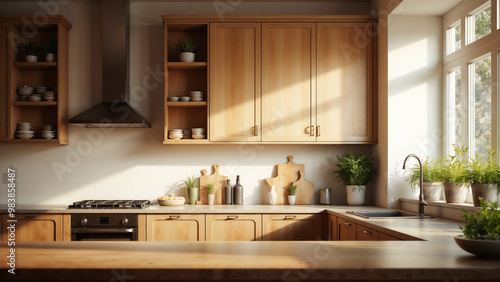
<point>34,104</point>
<point>186,66</point>
<point>186,104</point>
<point>186,141</point>
<point>38,141</point>
<point>35,65</point>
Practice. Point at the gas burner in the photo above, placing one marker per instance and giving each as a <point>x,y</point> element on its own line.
<point>110,204</point>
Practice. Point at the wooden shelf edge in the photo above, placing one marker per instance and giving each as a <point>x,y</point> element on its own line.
<point>186,142</point>
<point>186,66</point>
<point>34,104</point>
<point>39,141</point>
<point>186,104</point>
<point>35,65</point>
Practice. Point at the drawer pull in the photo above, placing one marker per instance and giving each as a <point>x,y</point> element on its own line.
<point>318,131</point>
<point>232,216</point>
<point>290,217</point>
<point>174,217</point>
<point>311,130</point>
<point>367,232</point>
<point>347,223</point>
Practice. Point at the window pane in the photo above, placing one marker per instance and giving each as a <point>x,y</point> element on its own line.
<point>457,37</point>
<point>455,94</point>
<point>482,106</point>
<point>482,23</point>
<point>454,38</point>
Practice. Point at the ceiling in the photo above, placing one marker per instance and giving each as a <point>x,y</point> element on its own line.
<point>425,7</point>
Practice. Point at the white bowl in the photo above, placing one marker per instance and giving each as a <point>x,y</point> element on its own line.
<point>195,92</point>
<point>24,128</point>
<point>35,98</point>
<point>25,131</point>
<point>199,136</point>
<point>185,98</point>
<point>171,202</point>
<point>173,99</point>
<point>47,127</point>
<point>24,136</point>
<point>25,90</point>
<point>40,89</point>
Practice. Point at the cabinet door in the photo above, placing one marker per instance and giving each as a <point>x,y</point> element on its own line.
<point>364,233</point>
<point>288,81</point>
<point>333,233</point>
<point>347,230</point>
<point>176,227</point>
<point>4,134</point>
<point>234,227</point>
<point>345,110</point>
<point>288,227</point>
<point>235,81</point>
<point>35,227</point>
<point>385,237</point>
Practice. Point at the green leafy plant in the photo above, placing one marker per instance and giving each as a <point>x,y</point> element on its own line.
<point>210,188</point>
<point>50,46</point>
<point>481,172</point>
<point>430,173</point>
<point>455,168</point>
<point>484,224</point>
<point>31,48</point>
<point>292,189</point>
<point>355,169</point>
<point>191,181</point>
<point>186,44</point>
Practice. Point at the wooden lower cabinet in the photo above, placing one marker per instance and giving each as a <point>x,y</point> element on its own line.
<point>175,227</point>
<point>346,229</point>
<point>34,227</point>
<point>332,226</point>
<point>234,227</point>
<point>292,227</point>
<point>364,233</point>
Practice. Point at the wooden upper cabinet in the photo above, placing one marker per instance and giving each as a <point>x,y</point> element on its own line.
<point>234,227</point>
<point>175,227</point>
<point>35,227</point>
<point>292,227</point>
<point>288,81</point>
<point>346,230</point>
<point>4,134</point>
<point>345,100</point>
<point>235,81</point>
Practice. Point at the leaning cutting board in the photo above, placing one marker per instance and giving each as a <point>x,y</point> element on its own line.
<point>218,180</point>
<point>305,190</point>
<point>287,173</point>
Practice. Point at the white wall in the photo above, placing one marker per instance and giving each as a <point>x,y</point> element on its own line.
<point>133,163</point>
<point>415,97</point>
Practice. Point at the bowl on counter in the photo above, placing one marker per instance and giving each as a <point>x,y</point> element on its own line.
<point>171,202</point>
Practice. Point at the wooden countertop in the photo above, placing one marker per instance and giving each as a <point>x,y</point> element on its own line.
<point>436,257</point>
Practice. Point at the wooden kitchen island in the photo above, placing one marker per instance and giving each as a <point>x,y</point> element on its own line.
<point>435,257</point>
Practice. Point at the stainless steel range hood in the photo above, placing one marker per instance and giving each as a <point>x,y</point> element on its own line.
<point>115,109</point>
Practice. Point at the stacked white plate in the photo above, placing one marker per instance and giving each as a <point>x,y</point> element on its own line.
<point>24,130</point>
<point>199,133</point>
<point>196,96</point>
<point>47,132</point>
<point>175,134</point>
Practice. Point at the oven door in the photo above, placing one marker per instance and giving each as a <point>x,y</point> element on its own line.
<point>103,234</point>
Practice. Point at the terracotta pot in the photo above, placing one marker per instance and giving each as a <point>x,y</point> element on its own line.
<point>355,194</point>
<point>455,192</point>
<point>432,191</point>
<point>489,192</point>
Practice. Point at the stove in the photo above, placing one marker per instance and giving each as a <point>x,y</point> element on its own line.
<point>110,204</point>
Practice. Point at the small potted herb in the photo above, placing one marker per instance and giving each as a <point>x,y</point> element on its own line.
<point>50,48</point>
<point>210,191</point>
<point>481,232</point>
<point>292,189</point>
<point>187,47</point>
<point>454,173</point>
<point>355,171</point>
<point>484,177</point>
<point>432,185</point>
<point>31,49</point>
<point>193,189</point>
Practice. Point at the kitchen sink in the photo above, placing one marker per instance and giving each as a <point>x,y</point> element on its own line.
<point>385,214</point>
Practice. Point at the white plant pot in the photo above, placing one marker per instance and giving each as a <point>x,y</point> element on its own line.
<point>211,198</point>
<point>187,57</point>
<point>291,200</point>
<point>356,194</point>
<point>50,57</point>
<point>31,58</point>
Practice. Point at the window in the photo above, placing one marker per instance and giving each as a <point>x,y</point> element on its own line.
<point>479,23</point>
<point>454,38</point>
<point>480,83</point>
<point>454,81</point>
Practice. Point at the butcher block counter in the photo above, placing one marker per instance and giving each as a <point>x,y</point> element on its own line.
<point>434,257</point>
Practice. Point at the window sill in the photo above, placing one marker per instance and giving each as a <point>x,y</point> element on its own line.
<point>439,208</point>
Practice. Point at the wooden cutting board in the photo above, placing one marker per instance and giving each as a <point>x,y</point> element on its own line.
<point>287,173</point>
<point>305,190</point>
<point>218,180</point>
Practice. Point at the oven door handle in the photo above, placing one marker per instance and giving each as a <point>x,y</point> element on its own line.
<point>103,230</point>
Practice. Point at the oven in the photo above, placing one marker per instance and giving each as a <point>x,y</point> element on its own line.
<point>104,227</point>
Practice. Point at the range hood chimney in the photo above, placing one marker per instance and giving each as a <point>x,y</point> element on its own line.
<point>115,109</point>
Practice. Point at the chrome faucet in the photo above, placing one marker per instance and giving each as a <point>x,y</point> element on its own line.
<point>421,202</point>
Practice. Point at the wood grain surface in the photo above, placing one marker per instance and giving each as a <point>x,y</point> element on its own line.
<point>305,190</point>
<point>287,173</point>
<point>218,180</point>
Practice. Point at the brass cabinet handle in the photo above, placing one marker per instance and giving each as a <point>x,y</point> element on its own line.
<point>290,217</point>
<point>174,217</point>
<point>232,217</point>
<point>318,131</point>
<point>256,130</point>
<point>347,223</point>
<point>311,130</point>
<point>367,232</point>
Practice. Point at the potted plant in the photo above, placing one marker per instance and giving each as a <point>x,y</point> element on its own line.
<point>291,197</point>
<point>31,49</point>
<point>193,189</point>
<point>50,48</point>
<point>432,185</point>
<point>210,191</point>
<point>187,46</point>
<point>484,178</point>
<point>355,171</point>
<point>481,232</point>
<point>453,171</point>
